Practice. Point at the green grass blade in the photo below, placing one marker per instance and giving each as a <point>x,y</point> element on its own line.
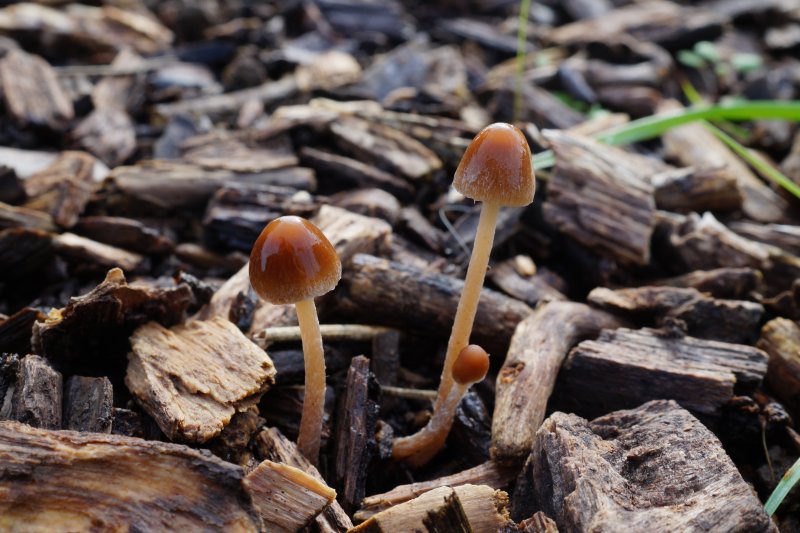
<point>789,480</point>
<point>522,41</point>
<point>756,161</point>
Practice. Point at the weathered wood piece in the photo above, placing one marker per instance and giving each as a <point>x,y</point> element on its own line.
<point>689,189</point>
<point>88,404</point>
<point>483,507</point>
<point>665,23</point>
<point>23,252</point>
<point>369,202</point>
<point>93,255</point>
<point>489,473</point>
<point>696,145</point>
<point>448,518</point>
<point>15,331</point>
<point>14,216</point>
<point>125,233</point>
<point>94,327</point>
<point>271,444</point>
<point>654,468</point>
<point>705,317</point>
<point>526,380</point>
<point>531,289</point>
<point>422,300</point>
<point>734,283</point>
<point>601,197</point>
<point>55,480</point>
<point>355,172</point>
<point>385,147</point>
<point>192,378</point>
<point>780,338</point>
<point>538,523</point>
<point>109,134</point>
<point>287,498</point>
<point>385,356</point>
<point>783,236</point>
<point>625,368</point>
<point>355,433</point>
<point>35,397</point>
<point>32,93</point>
<point>704,243</point>
<point>63,188</point>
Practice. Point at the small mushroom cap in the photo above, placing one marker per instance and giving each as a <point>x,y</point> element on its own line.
<point>471,365</point>
<point>497,168</point>
<point>292,260</point>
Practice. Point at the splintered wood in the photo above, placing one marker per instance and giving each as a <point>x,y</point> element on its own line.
<point>526,380</point>
<point>287,498</point>
<point>599,196</point>
<point>654,468</point>
<point>484,509</point>
<point>63,480</point>
<point>625,368</point>
<point>191,379</point>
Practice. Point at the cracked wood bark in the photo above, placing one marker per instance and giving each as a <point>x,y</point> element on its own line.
<point>95,256</point>
<point>287,498</point>
<point>484,508</point>
<point>35,396</point>
<point>705,317</point>
<point>624,368</point>
<point>526,380</point>
<point>489,473</point>
<point>271,444</point>
<point>422,300</point>
<point>88,404</point>
<point>733,283</point>
<point>450,518</point>
<point>601,197</point>
<point>780,338</point>
<point>355,443</point>
<point>63,188</point>
<point>192,378</point>
<point>126,233</point>
<point>654,468</point>
<point>695,145</point>
<point>63,480</point>
<point>689,189</point>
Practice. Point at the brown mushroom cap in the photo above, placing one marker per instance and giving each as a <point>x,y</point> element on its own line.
<point>497,167</point>
<point>292,260</point>
<point>471,365</point>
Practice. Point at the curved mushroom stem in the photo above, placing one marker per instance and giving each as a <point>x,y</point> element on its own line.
<point>462,324</point>
<point>314,396</point>
<point>420,447</point>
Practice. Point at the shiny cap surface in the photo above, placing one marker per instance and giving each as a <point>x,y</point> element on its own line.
<point>471,365</point>
<point>292,260</point>
<point>497,167</point>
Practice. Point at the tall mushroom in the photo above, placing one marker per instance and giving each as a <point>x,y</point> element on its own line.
<point>293,262</point>
<point>469,368</point>
<point>496,170</point>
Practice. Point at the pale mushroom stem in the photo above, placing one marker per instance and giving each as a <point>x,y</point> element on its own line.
<point>426,442</point>
<point>314,396</point>
<point>468,304</point>
<point>420,447</point>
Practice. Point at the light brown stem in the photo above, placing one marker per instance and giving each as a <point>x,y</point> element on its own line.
<point>459,338</point>
<point>314,396</point>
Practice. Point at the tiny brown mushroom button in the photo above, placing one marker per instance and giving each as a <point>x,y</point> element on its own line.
<point>293,262</point>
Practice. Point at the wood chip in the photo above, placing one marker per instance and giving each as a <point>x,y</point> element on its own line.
<point>526,380</point>
<point>625,368</point>
<point>483,507</point>
<point>35,397</point>
<point>109,134</point>
<point>63,188</point>
<point>287,498</point>
<point>600,196</point>
<point>88,404</point>
<point>780,338</point>
<point>55,480</point>
<point>99,256</point>
<point>191,379</point>
<point>654,468</point>
<point>32,93</point>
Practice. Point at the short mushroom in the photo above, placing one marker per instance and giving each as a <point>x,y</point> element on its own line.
<point>469,367</point>
<point>293,262</point>
<point>496,169</point>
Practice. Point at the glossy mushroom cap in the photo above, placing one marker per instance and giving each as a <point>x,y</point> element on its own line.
<point>471,365</point>
<point>292,260</point>
<point>497,167</point>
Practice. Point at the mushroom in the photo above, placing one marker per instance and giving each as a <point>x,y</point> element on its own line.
<point>293,262</point>
<point>496,170</point>
<point>469,367</point>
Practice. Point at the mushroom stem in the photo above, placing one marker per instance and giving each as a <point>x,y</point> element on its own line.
<point>468,303</point>
<point>314,396</point>
<point>420,447</point>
